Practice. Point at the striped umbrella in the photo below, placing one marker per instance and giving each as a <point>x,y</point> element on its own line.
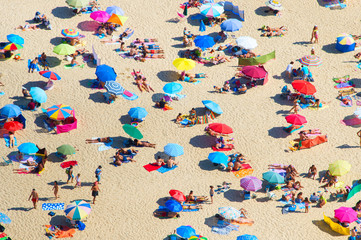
<point>173,150</point>
<point>251,183</point>
<point>49,74</point>
<point>59,112</point>
<point>311,60</point>
<point>229,213</point>
<point>114,87</point>
<point>100,16</point>
<point>345,43</point>
<point>275,5</point>
<point>13,46</point>
<point>117,19</point>
<point>38,95</point>
<point>70,33</point>
<point>77,210</point>
<point>197,237</point>
<point>211,9</point>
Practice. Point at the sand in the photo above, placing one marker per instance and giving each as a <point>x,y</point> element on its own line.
<point>129,194</point>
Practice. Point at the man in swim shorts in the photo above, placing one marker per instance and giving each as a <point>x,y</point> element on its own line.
<point>34,197</point>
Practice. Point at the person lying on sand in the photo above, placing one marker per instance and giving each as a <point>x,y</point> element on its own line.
<point>191,198</point>
<point>165,214</point>
<point>220,144</point>
<point>291,128</point>
<point>147,86</point>
<point>120,158</point>
<point>99,140</point>
<point>226,88</point>
<point>312,172</point>
<point>190,207</point>
<point>171,163</point>
<point>138,143</point>
<point>145,40</point>
<point>219,59</point>
<point>146,55</point>
<point>28,26</point>
<point>159,161</point>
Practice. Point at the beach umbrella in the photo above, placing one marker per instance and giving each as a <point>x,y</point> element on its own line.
<point>273,177</point>
<point>185,10</point>
<point>15,39</point>
<point>13,126</point>
<point>10,111</point>
<point>184,64</point>
<point>250,183</point>
<point>247,237</point>
<point>311,60</point>
<point>197,237</point>
<point>353,191</point>
<point>64,49</point>
<point>38,95</point>
<point>204,41</point>
<point>100,16</point>
<point>59,112</point>
<point>4,219</point>
<point>336,227</point>
<point>211,10</point>
<point>218,158</point>
<point>105,73</point>
<point>117,19</point>
<point>114,87</point>
<point>357,112</point>
<point>132,131</point>
<point>186,231</point>
<point>254,72</point>
<point>50,75</point>
<point>13,46</point>
<point>70,33</point>
<point>173,206</point>
<point>77,3</point>
<point>114,9</point>
<point>304,87</point>
<point>220,128</point>
<point>202,26</point>
<point>274,4</point>
<point>229,212</point>
<point>172,88</point>
<point>231,25</point>
<point>28,148</point>
<point>138,112</point>
<point>77,210</point>
<point>345,43</point>
<point>177,195</point>
<point>66,149</point>
<point>247,42</point>
<point>339,168</point>
<point>346,214</point>
<point>173,150</point>
<point>296,119</point>
<point>214,107</point>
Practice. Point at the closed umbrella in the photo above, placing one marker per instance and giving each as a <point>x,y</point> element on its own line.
<point>138,112</point>
<point>247,42</point>
<point>204,42</point>
<point>185,10</point>
<point>4,219</point>
<point>177,195</point>
<point>274,4</point>
<point>50,75</point>
<point>64,49</point>
<point>296,119</point>
<point>211,10</point>
<point>66,149</point>
<point>70,33</point>
<point>172,88</point>
<point>132,131</point>
<point>229,212</point>
<point>100,16</point>
<point>117,19</point>
<point>114,87</point>
<point>15,39</point>
<point>250,183</point>
<point>184,64</point>
<point>28,148</point>
<point>247,237</point>
<point>231,25</point>
<point>273,177</point>
<point>173,206</point>
<point>114,9</point>
<point>173,150</point>
<point>304,87</point>
<point>38,95</point>
<point>13,46</point>
<point>346,215</point>
<point>77,210</point>
<point>186,231</point>
<point>10,111</point>
<point>13,126</point>
<point>339,168</point>
<point>105,73</point>
<point>214,107</point>
<point>78,3</point>
<point>218,158</point>
<point>59,112</point>
<point>202,26</point>
<point>220,128</point>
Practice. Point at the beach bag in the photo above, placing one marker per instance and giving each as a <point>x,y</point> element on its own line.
<point>67,171</point>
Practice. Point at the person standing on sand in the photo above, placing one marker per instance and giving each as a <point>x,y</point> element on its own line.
<point>69,172</point>
<point>98,172</point>
<point>359,135</point>
<point>34,197</point>
<point>314,38</point>
<point>211,193</point>
<point>289,69</point>
<point>77,181</point>
<point>56,189</point>
<point>95,191</point>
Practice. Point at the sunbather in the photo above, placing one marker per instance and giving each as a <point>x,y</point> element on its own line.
<point>146,85</point>
<point>159,161</point>
<point>146,55</point>
<point>292,128</point>
<point>171,163</point>
<point>326,177</point>
<point>138,143</point>
<point>120,158</point>
<point>179,118</point>
<point>102,30</point>
<point>33,65</point>
<point>162,104</point>
<point>219,59</point>
<point>74,63</point>
<point>99,140</point>
<point>226,88</point>
<point>28,26</point>
<point>94,5</point>
<point>243,89</point>
<point>191,207</point>
<point>145,40</point>
<point>221,144</point>
<point>191,198</point>
<point>165,214</point>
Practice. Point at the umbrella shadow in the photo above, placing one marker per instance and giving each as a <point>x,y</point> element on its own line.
<point>161,201</point>
<point>281,77</point>
<point>283,112</point>
<point>264,11</point>
<point>53,61</point>
<point>20,101</point>
<point>211,221</point>
<point>156,97</point>
<point>179,45</point>
<point>60,183</point>
<point>118,141</point>
<point>58,220</point>
<point>233,195</point>
<point>88,26</point>
<point>70,187</point>
<point>277,132</point>
<point>344,146</point>
<point>20,209</point>
<point>39,120</point>
<point>330,48</point>
<point>44,199</point>
<point>31,84</point>
<point>302,43</point>
<point>357,82</point>
<point>56,41</point>
<point>180,39</point>
<point>281,101</point>
<point>53,158</point>
<point>125,119</point>
<point>325,228</point>
<point>161,155</point>
<point>202,141</point>
<point>63,12</point>
<point>97,97</point>
<point>194,22</point>
<point>207,165</point>
<point>86,83</point>
<point>168,76</point>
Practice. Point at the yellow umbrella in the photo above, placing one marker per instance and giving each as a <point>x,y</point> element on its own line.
<point>117,19</point>
<point>339,168</point>
<point>335,226</point>
<point>184,64</point>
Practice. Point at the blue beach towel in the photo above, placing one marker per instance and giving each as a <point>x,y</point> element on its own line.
<point>165,169</point>
<point>7,140</point>
<point>190,210</point>
<point>2,93</point>
<point>37,69</point>
<point>52,206</point>
<point>105,146</point>
<point>131,98</point>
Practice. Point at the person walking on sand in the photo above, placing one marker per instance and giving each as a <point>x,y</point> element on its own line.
<point>77,181</point>
<point>95,191</point>
<point>98,173</point>
<point>211,193</point>
<point>34,196</point>
<point>359,135</point>
<point>56,189</point>
<point>69,172</point>
<point>314,38</point>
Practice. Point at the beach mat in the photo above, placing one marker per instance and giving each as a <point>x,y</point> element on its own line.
<point>165,169</point>
<point>222,149</point>
<point>151,167</point>
<point>52,206</point>
<point>7,140</point>
<point>243,172</point>
<point>347,105</point>
<point>68,164</point>
<point>69,66</point>
<point>129,95</point>
<point>351,122</point>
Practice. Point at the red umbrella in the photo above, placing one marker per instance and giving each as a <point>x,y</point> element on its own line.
<point>177,195</point>
<point>13,126</point>
<point>220,128</point>
<point>296,119</point>
<point>254,72</point>
<point>304,87</point>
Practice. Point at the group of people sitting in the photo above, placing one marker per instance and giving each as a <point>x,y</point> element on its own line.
<point>93,6</point>
<point>271,32</point>
<point>236,161</point>
<point>34,167</point>
<point>42,19</point>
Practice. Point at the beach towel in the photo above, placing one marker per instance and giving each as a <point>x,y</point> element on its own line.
<point>165,169</point>
<point>324,106</point>
<point>70,66</point>
<point>347,105</point>
<point>224,228</point>
<point>2,235</point>
<point>100,36</point>
<point>68,164</point>
<point>66,232</point>
<point>243,172</point>
<point>189,210</point>
<point>2,93</point>
<point>223,149</point>
<point>89,10</point>
<point>166,108</point>
<point>348,84</point>
<point>37,69</point>
<point>351,122</point>
<point>52,206</point>
<point>7,140</point>
<point>129,95</point>
<point>304,105</point>
<point>151,167</point>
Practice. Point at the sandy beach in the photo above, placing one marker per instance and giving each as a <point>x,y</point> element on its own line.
<point>129,194</point>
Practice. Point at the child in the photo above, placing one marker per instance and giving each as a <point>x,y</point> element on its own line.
<point>307,203</point>
<point>77,181</point>
<point>312,51</point>
<point>179,118</point>
<point>56,189</point>
<point>312,171</point>
<point>211,193</point>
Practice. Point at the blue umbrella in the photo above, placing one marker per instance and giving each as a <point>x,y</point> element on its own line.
<point>273,177</point>
<point>138,113</point>
<point>218,157</point>
<point>247,237</point>
<point>173,206</point>
<point>10,111</point>
<point>186,231</point>
<point>114,87</point>
<point>204,42</point>
<point>28,148</point>
<point>105,73</point>
<point>172,88</point>
<point>38,95</point>
<point>214,107</point>
<point>231,25</point>
<point>15,39</point>
<point>4,219</point>
<point>173,150</point>
<point>202,27</point>
<point>114,9</point>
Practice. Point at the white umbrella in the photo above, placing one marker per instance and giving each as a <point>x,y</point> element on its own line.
<point>358,112</point>
<point>247,42</point>
<point>274,4</point>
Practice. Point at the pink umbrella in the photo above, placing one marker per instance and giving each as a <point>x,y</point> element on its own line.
<point>100,16</point>
<point>254,72</point>
<point>346,214</point>
<point>251,183</point>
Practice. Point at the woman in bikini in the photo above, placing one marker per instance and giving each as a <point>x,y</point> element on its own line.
<point>138,143</point>
<point>146,85</point>
<point>145,40</point>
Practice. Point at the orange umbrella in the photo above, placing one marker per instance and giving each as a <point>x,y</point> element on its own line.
<point>117,19</point>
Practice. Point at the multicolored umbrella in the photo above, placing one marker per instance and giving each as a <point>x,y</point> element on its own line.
<point>229,212</point>
<point>173,206</point>
<point>197,237</point>
<point>231,25</point>
<point>346,214</point>
<point>59,112</point>
<point>172,88</point>
<point>250,183</point>
<point>66,149</point>
<point>50,75</point>
<point>211,10</point>
<point>100,16</point>
<point>184,64</point>
<point>13,46</point>
<point>273,177</point>
<point>105,73</point>
<point>218,158</point>
<point>64,49</point>
<point>345,43</point>
<point>13,126</point>
<point>132,131</point>
<point>177,195</point>
<point>138,112</point>
<point>220,128</point>
<point>304,87</point>
<point>15,39</point>
<point>114,87</point>
<point>254,72</point>
<point>311,60</point>
<point>4,219</point>
<point>114,9</point>
<point>77,210</point>
<point>214,107</point>
<point>38,94</point>
<point>339,168</point>
<point>28,148</point>
<point>296,119</point>
<point>186,231</point>
<point>273,4</point>
<point>117,19</point>
<point>173,150</point>
<point>78,3</point>
<point>204,42</point>
<point>70,33</point>
<point>10,111</point>
<point>247,237</point>
<point>247,42</point>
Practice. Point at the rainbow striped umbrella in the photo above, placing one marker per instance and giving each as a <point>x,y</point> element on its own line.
<point>229,212</point>
<point>345,43</point>
<point>59,112</point>
<point>211,9</point>
<point>117,19</point>
<point>13,46</point>
<point>275,5</point>
<point>70,33</point>
<point>100,16</point>
<point>49,74</point>
<point>311,60</point>
<point>77,210</point>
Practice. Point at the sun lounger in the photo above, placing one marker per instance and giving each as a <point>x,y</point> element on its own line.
<point>346,92</point>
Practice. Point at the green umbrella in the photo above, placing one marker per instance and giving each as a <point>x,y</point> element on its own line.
<point>64,49</point>
<point>77,3</point>
<point>66,149</point>
<point>132,131</point>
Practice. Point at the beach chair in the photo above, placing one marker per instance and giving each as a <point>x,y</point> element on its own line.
<point>347,92</point>
<point>7,162</point>
<point>246,195</point>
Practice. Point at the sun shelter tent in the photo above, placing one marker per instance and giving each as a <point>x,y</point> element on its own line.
<point>97,59</point>
<point>70,123</point>
<point>229,7</point>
